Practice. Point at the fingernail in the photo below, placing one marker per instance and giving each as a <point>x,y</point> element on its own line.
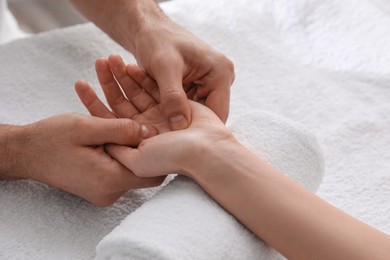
<point>145,131</point>
<point>178,122</point>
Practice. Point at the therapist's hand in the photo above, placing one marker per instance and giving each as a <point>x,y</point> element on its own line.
<point>67,152</point>
<point>177,60</point>
<point>170,54</point>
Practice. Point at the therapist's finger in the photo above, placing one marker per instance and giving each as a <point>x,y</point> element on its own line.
<point>174,101</point>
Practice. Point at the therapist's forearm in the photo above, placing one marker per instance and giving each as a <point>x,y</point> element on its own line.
<point>121,19</point>
<point>281,212</point>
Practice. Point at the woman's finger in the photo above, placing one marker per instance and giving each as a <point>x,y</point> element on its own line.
<point>115,98</point>
<point>144,81</point>
<point>134,92</point>
<point>91,101</point>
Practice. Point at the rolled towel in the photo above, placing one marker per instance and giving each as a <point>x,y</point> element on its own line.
<point>183,222</point>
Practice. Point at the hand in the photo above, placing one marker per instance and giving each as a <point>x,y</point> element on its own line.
<point>161,154</point>
<point>176,58</point>
<point>67,152</point>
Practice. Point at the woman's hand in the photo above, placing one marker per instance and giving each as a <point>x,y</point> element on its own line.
<point>167,152</point>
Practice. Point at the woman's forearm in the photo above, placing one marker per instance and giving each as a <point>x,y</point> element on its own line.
<point>121,19</point>
<point>281,212</point>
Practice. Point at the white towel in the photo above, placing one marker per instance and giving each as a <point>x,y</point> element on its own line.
<point>183,222</point>
<point>322,63</point>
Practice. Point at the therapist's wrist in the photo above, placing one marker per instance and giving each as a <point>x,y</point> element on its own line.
<point>11,149</point>
<point>144,19</point>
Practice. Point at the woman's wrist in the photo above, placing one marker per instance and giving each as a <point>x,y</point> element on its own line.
<point>214,156</point>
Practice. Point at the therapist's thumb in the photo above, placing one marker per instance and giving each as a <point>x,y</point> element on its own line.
<point>174,101</point>
<point>115,131</point>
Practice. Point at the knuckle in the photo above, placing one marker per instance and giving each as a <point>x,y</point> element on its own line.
<point>173,94</point>
<point>158,60</point>
<point>77,126</point>
<point>229,64</point>
<point>173,102</point>
<point>174,97</point>
<point>225,60</point>
<point>78,121</point>
<point>120,126</point>
<point>132,130</point>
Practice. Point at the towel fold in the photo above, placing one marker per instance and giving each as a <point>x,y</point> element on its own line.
<point>183,222</point>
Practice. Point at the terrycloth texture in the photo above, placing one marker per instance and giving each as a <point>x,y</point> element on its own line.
<point>183,222</point>
<point>323,63</point>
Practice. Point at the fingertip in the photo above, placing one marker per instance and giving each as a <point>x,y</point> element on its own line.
<point>100,59</point>
<point>177,109</point>
<point>81,87</point>
<point>80,84</point>
<point>112,56</point>
<point>114,59</point>
<point>178,122</point>
<point>101,64</point>
<point>148,131</point>
<point>145,131</point>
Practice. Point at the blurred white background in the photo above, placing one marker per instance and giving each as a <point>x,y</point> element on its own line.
<point>42,15</point>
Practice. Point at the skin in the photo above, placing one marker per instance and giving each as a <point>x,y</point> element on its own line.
<point>175,58</point>
<point>281,212</point>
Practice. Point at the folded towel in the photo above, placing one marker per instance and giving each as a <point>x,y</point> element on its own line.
<point>183,222</point>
